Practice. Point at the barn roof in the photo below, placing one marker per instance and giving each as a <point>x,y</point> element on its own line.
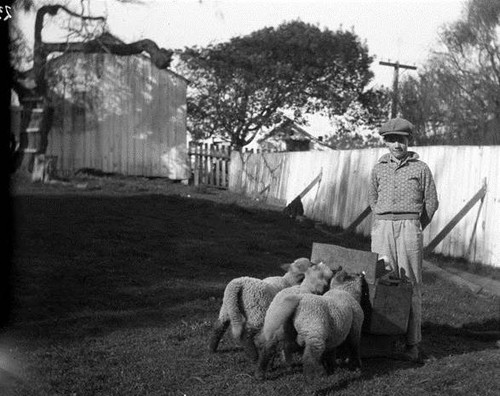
<point>108,38</point>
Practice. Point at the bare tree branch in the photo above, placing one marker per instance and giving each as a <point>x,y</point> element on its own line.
<point>159,56</point>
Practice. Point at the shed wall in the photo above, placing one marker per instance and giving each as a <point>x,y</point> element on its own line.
<point>118,114</point>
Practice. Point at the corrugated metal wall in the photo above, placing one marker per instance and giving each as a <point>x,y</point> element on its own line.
<point>342,193</point>
<point>118,114</point>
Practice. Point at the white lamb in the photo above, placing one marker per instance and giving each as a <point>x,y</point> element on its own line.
<point>318,324</point>
<point>316,281</point>
<point>245,303</point>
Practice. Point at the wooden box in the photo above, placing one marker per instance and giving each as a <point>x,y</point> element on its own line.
<point>352,260</point>
<point>390,308</point>
<point>389,305</point>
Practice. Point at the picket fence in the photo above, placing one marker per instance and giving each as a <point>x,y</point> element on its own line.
<point>341,194</point>
<point>210,164</point>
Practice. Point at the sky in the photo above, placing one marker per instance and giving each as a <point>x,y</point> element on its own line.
<point>397,30</point>
<point>394,30</point>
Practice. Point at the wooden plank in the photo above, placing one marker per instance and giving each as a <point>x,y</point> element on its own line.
<point>213,165</point>
<point>227,167</point>
<point>204,160</point>
<point>224,170</point>
<point>352,260</point>
<point>358,220</point>
<point>453,222</point>
<point>196,166</point>
<point>311,185</point>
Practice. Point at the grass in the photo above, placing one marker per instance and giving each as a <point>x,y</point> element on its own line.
<point>116,285</point>
<point>464,265</point>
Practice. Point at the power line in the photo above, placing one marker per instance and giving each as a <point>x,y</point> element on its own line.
<point>395,82</point>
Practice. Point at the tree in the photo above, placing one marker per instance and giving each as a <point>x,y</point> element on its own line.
<point>358,126</point>
<point>457,95</point>
<point>159,56</point>
<point>241,86</point>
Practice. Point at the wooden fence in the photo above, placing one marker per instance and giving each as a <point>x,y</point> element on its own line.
<point>340,194</point>
<point>210,164</point>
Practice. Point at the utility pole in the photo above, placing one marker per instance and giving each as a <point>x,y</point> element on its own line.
<point>395,82</point>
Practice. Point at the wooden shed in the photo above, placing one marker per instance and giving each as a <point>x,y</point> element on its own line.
<point>118,114</point>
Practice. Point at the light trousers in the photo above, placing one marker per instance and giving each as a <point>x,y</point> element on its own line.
<point>401,242</point>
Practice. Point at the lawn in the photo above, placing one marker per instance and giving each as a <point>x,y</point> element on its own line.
<point>117,281</point>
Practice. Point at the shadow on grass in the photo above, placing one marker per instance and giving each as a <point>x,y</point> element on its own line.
<point>441,340</point>
<point>141,260</point>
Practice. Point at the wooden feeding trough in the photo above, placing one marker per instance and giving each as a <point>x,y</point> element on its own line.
<point>389,302</point>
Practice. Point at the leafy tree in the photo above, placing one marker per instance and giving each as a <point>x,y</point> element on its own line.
<point>241,86</point>
<point>358,126</point>
<point>457,96</point>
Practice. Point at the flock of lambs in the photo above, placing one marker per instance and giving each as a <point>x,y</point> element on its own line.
<point>311,309</point>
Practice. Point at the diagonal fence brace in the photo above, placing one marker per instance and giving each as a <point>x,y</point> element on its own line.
<point>453,222</point>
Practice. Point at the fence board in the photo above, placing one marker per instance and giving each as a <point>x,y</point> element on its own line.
<point>342,194</point>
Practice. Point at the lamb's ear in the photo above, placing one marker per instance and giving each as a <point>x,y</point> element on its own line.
<point>340,276</point>
<point>286,266</point>
<point>301,265</point>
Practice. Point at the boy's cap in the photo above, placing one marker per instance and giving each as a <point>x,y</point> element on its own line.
<point>397,126</point>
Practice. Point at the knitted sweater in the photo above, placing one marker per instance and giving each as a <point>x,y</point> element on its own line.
<point>403,191</point>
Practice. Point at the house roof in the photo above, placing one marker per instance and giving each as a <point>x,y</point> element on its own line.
<point>288,129</point>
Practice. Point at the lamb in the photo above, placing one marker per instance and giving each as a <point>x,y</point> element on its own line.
<point>318,324</point>
<point>245,302</point>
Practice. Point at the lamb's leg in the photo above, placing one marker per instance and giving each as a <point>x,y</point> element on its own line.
<point>353,341</point>
<point>218,330</point>
<point>266,354</point>
<point>248,341</point>
<point>329,360</point>
<point>288,350</point>
<point>289,344</point>
<point>311,360</point>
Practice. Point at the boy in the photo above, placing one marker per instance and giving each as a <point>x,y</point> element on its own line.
<point>403,200</point>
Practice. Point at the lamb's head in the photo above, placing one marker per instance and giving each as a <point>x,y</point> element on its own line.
<point>317,278</point>
<point>352,283</point>
<point>295,272</point>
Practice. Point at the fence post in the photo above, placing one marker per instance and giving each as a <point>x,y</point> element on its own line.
<point>212,163</point>
<point>196,165</point>
<point>223,167</point>
<point>218,162</point>
<point>203,163</point>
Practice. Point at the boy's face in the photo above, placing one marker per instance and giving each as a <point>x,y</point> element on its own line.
<point>397,145</point>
